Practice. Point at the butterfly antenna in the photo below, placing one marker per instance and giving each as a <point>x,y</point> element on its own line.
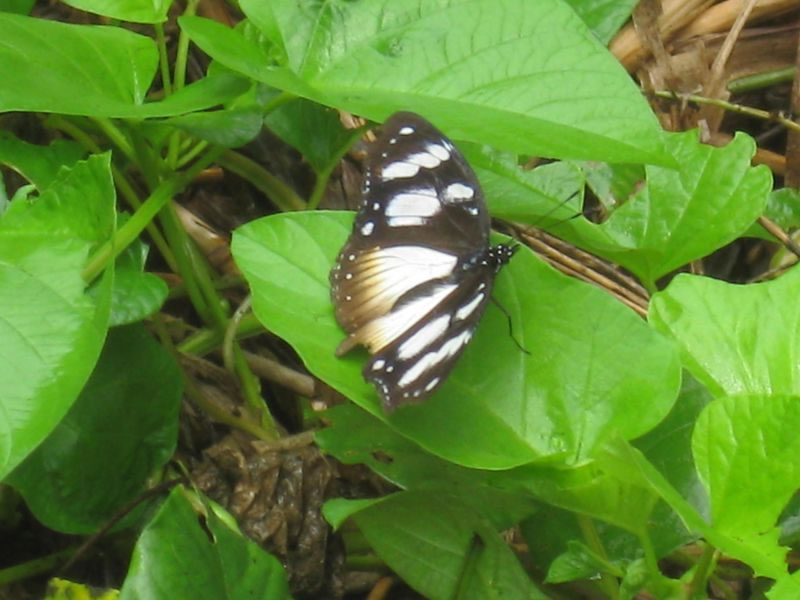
<point>510,325</point>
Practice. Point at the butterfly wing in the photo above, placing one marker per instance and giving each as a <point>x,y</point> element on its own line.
<point>419,360</point>
<point>414,257</point>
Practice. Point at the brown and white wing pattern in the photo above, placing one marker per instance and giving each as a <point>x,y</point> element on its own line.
<point>414,277</point>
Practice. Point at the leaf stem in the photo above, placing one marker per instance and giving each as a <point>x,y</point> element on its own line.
<point>278,192</point>
<point>607,583</point>
<point>731,107</point>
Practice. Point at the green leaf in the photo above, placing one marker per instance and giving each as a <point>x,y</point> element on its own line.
<point>91,70</point>
<point>38,164</point>
<point>230,128</point>
<point>685,214</point>
<point>549,196</point>
<point>590,361</point>
<point>22,7</point>
<point>604,17</point>
<point>122,428</point>
<point>136,11</point>
<point>52,331</point>
<point>220,87</point>
<point>356,437</point>
<point>734,338</point>
<point>668,448</point>
<point>613,184</point>
<point>443,549</point>
<point>78,202</point>
<point>313,130</point>
<point>183,554</point>
<point>744,446</point>
<point>137,294</point>
<point>559,93</point>
<point>783,207</point>
<point>634,467</point>
<point>579,562</point>
<point>242,51</point>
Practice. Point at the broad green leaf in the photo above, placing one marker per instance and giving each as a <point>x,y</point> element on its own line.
<point>77,203</point>
<point>745,448</point>
<point>559,92</point>
<point>443,549</point>
<point>137,294</point>
<point>735,339</point>
<point>549,197</point>
<point>183,554</point>
<point>90,69</point>
<point>604,17</point>
<point>230,128</point>
<point>785,588</point>
<point>122,428</point>
<point>219,87</point>
<point>783,207</point>
<point>593,490</point>
<point>136,11</point>
<point>38,164</point>
<point>356,437</point>
<point>590,361</point>
<point>22,7</point>
<point>93,70</point>
<point>244,52</point>
<point>52,331</point>
<point>634,467</point>
<point>678,216</point>
<point>668,446</point>
<point>313,130</point>
<point>686,214</point>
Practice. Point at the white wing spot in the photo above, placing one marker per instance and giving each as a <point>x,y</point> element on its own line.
<point>423,338</point>
<point>407,130</point>
<point>432,383</point>
<point>406,221</point>
<point>438,151</point>
<point>378,364</point>
<point>392,140</point>
<point>424,159</point>
<point>348,276</point>
<point>431,359</point>
<point>399,169</point>
<point>469,308</point>
<point>376,206</point>
<point>416,203</point>
<point>367,228</point>
<point>458,192</point>
<point>351,257</point>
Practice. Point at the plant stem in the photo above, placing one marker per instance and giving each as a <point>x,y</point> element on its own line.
<point>36,566</point>
<point>607,583</point>
<point>281,194</point>
<point>729,106</point>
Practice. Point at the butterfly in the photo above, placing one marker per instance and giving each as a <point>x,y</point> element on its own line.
<point>416,273</point>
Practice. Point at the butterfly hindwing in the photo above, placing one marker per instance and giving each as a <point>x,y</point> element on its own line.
<point>417,258</point>
<point>418,362</point>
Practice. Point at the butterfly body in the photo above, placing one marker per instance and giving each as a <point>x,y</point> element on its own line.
<point>414,278</point>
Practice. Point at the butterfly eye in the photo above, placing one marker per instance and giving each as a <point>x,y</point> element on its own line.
<point>413,279</point>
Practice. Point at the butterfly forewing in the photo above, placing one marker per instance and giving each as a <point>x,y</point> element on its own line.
<point>413,278</point>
